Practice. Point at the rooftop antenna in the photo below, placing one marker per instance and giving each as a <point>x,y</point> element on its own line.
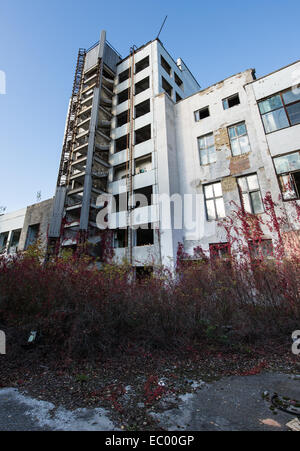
<point>162,27</point>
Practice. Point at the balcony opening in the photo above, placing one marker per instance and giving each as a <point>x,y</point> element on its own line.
<point>124,75</point>
<point>120,172</point>
<point>122,118</point>
<point>143,197</point>
<point>141,65</point>
<point>165,65</point>
<point>145,237</point>
<point>167,87</point>
<point>123,96</point>
<point>121,143</point>
<point>143,134</point>
<point>143,164</point>
<point>142,108</point>
<point>142,85</point>
<point>178,81</point>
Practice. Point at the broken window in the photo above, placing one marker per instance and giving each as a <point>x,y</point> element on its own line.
<point>3,241</point>
<point>214,202</point>
<point>142,85</point>
<point>124,75</point>
<point>239,139</point>
<point>250,194</point>
<point>145,237</point>
<point>122,118</point>
<point>121,143</point>
<point>201,114</point>
<point>178,98</point>
<point>141,65</point>
<point>231,101</point>
<point>166,65</point>
<point>142,108</point>
<point>123,96</point>
<point>167,87</point>
<point>288,171</point>
<point>281,111</point>
<point>14,241</point>
<point>143,134</point>
<point>207,149</point>
<point>32,235</point>
<point>178,81</point>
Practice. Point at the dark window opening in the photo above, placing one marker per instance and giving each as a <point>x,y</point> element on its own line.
<point>3,241</point>
<point>143,134</point>
<point>121,203</point>
<point>143,197</point>
<point>142,85</point>
<point>141,65</point>
<point>123,96</point>
<point>142,108</point>
<point>145,237</point>
<point>107,74</point>
<point>14,242</point>
<point>120,172</point>
<point>120,238</point>
<point>32,235</point>
<point>167,87</point>
<point>178,81</point>
<point>202,114</point>
<point>143,272</point>
<point>231,101</point>
<point>178,98</point>
<point>121,143</point>
<point>166,65</point>
<point>124,75</point>
<point>122,118</point>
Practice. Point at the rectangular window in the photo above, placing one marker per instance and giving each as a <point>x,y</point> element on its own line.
<point>121,143</point>
<point>14,241</point>
<point>219,251</point>
<point>166,65</point>
<point>239,139</point>
<point>201,114</point>
<point>281,110</point>
<point>120,238</point>
<point>231,101</point>
<point>142,134</point>
<point>142,86</point>
<point>167,87</point>
<point>207,150</point>
<point>178,98</point>
<point>122,118</point>
<point>263,249</point>
<point>215,208</point>
<point>3,241</point>
<point>288,171</point>
<point>124,75</point>
<point>141,65</point>
<point>142,108</point>
<point>145,237</point>
<point>32,235</point>
<point>178,81</point>
<point>250,194</point>
<point>123,96</point>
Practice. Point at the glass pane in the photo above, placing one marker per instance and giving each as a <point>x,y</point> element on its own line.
<point>246,201</point>
<point>225,104</point>
<point>201,142</point>
<point>218,189</point>
<point>275,120</point>
<point>257,202</point>
<point>292,95</point>
<point>244,144</point>
<point>197,116</point>
<point>243,183</point>
<point>211,214</point>
<point>210,141</point>
<point>232,132</point>
<point>252,182</point>
<point>241,129</point>
<point>220,208</point>
<point>212,156</point>
<point>235,147</point>
<point>287,163</point>
<point>294,113</point>
<point>203,156</point>
<point>209,194</point>
<point>270,104</point>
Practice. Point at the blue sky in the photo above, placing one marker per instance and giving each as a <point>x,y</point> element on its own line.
<point>39,41</point>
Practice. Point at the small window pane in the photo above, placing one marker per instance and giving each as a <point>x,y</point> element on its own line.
<point>287,163</point>
<point>292,95</point>
<point>209,192</point>
<point>294,113</point>
<point>204,157</point>
<point>212,156</point>
<point>235,146</point>
<point>243,183</point>
<point>257,202</point>
<point>275,120</point>
<point>252,182</point>
<point>270,104</point>
<point>246,202</point>
<point>218,189</point>
<point>244,144</point>
<point>211,213</point>
<point>197,116</point>
<point>220,208</point>
<point>232,132</point>
<point>241,129</point>
<point>202,143</point>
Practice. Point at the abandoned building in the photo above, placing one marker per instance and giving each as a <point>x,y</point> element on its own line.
<point>142,128</point>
